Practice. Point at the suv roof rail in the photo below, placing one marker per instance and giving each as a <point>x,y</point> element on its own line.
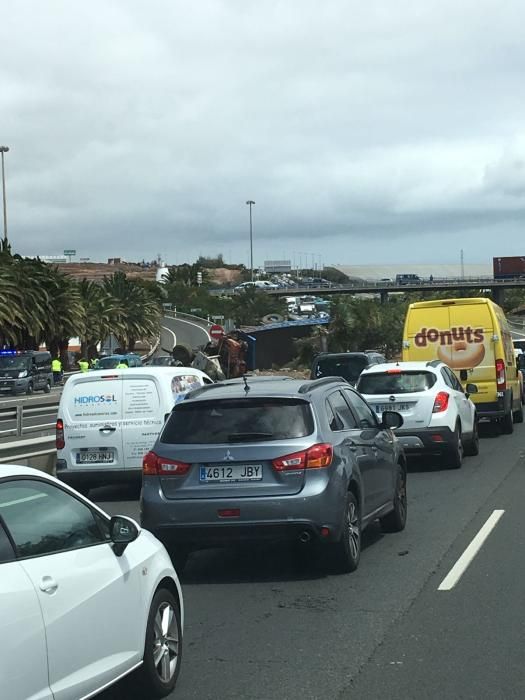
<point>237,381</point>
<point>434,363</point>
<point>316,383</point>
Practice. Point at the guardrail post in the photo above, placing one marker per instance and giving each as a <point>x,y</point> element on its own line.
<point>19,414</point>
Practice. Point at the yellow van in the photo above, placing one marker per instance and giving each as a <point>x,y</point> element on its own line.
<point>472,337</point>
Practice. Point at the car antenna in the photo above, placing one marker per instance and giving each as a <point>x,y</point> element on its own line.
<point>245,380</point>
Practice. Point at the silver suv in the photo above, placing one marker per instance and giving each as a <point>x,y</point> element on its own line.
<point>274,458</point>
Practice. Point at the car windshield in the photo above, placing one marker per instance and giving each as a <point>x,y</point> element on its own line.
<point>108,362</point>
<point>238,420</point>
<point>9,362</point>
<point>347,367</point>
<point>395,382</point>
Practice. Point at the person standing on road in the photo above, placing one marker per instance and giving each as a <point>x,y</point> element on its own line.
<point>56,368</point>
<point>84,365</point>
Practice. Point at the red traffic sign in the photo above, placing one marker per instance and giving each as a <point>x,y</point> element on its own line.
<point>216,331</point>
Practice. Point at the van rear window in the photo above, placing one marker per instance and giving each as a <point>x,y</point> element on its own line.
<point>230,421</point>
<point>399,383</point>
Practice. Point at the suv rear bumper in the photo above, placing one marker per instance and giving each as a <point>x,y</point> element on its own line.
<point>439,439</point>
<point>197,523</point>
<point>91,478</point>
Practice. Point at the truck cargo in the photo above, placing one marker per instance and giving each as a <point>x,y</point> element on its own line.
<point>508,267</point>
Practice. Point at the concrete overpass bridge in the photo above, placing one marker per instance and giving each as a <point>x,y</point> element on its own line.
<point>383,289</point>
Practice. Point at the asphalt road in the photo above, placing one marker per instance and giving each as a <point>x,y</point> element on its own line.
<point>177,330</point>
<point>260,625</point>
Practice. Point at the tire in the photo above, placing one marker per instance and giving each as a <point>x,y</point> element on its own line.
<point>454,457</point>
<point>396,520</point>
<point>47,388</point>
<point>163,645</point>
<point>507,424</point>
<point>471,449</point>
<point>29,389</point>
<point>517,416</point>
<point>346,552</point>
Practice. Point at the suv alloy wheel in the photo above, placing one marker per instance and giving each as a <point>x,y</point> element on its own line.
<point>346,552</point>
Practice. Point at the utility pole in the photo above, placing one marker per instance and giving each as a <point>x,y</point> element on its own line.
<point>462,257</point>
<point>250,202</point>
<point>4,149</point>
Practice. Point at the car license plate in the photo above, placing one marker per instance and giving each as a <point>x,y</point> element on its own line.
<point>392,407</point>
<point>233,473</point>
<point>95,457</point>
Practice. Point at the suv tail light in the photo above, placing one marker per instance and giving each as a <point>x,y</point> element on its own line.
<point>153,465</point>
<point>60,442</point>
<point>316,457</point>
<point>441,402</point>
<point>501,377</point>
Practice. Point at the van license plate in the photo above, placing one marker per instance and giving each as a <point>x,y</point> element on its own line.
<point>230,474</point>
<point>95,457</point>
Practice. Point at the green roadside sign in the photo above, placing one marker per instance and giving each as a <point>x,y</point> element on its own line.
<point>70,252</point>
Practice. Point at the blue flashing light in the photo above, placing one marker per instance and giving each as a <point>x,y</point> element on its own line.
<point>8,352</point>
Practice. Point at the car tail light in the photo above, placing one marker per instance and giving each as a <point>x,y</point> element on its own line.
<point>316,457</point>
<point>441,402</point>
<point>153,465</point>
<point>394,371</point>
<point>501,378</point>
<point>59,440</point>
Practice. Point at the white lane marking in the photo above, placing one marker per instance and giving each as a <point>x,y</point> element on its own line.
<point>23,500</point>
<point>165,328</point>
<point>201,328</point>
<point>459,568</point>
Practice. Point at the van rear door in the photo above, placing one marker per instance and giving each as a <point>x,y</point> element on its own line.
<point>91,410</point>
<point>142,416</point>
<point>478,326</point>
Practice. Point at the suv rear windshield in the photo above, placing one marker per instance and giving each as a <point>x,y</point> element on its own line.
<point>108,363</point>
<point>396,383</point>
<point>238,420</point>
<point>347,367</point>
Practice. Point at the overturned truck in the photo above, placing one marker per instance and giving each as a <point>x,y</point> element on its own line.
<point>225,359</point>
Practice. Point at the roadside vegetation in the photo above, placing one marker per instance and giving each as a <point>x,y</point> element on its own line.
<point>40,304</point>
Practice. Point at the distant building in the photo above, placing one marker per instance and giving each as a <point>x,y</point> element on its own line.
<point>277,267</point>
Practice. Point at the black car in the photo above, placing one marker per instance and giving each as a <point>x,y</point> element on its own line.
<point>25,372</point>
<point>347,365</point>
<point>274,459</point>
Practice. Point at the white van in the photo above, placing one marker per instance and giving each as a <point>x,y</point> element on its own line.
<point>109,419</point>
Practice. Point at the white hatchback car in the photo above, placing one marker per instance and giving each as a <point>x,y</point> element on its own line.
<point>85,599</point>
<point>438,415</point>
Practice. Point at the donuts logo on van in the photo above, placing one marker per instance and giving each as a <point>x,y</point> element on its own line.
<point>94,399</point>
<point>459,347</point>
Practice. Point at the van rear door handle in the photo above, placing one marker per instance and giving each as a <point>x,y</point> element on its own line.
<point>107,429</point>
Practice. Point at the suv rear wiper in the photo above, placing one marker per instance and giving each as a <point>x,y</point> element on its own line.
<point>246,437</point>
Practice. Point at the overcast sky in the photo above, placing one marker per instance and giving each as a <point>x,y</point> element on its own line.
<point>366,132</point>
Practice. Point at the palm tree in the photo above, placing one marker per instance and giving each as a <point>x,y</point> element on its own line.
<point>140,311</point>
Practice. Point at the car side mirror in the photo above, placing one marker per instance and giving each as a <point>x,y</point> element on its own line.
<point>471,389</point>
<point>391,420</point>
<point>122,531</point>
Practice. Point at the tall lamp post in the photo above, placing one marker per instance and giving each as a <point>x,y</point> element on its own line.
<point>4,149</point>
<point>250,202</point>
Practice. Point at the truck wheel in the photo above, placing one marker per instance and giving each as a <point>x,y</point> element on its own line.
<point>29,389</point>
<point>47,388</point>
<point>183,353</point>
<point>518,415</point>
<point>507,424</point>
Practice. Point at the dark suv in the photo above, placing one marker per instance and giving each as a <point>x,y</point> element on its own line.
<point>274,459</point>
<point>347,365</point>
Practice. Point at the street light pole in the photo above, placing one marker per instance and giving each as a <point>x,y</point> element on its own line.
<point>4,149</point>
<point>249,203</point>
